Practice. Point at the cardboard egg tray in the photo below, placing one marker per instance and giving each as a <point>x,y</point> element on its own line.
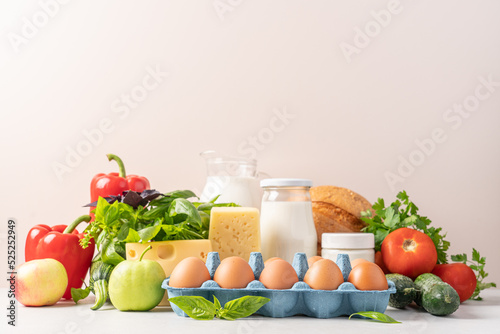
<point>299,300</point>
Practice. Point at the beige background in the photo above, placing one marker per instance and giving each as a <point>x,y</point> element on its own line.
<point>359,101</point>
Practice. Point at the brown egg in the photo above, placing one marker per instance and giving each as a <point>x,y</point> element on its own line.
<point>189,273</point>
<point>271,259</point>
<point>312,260</point>
<point>355,262</point>
<point>324,274</point>
<point>278,274</point>
<point>368,276</point>
<point>233,273</point>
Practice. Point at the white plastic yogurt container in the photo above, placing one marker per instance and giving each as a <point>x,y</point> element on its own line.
<point>357,245</point>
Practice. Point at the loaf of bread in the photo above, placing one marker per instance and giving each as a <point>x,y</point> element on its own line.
<point>337,209</point>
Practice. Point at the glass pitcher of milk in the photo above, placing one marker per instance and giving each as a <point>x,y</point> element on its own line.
<point>233,179</point>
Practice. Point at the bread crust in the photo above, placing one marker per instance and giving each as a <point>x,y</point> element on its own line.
<point>343,198</point>
<point>337,209</point>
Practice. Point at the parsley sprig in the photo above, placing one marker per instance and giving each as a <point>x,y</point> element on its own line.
<point>402,213</point>
<point>477,265</point>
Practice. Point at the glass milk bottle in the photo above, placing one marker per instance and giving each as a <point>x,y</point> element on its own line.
<point>286,220</point>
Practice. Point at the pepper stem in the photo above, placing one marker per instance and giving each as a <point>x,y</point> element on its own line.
<point>144,252</point>
<point>119,161</point>
<point>71,227</point>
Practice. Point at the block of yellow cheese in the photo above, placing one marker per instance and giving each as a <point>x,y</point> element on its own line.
<point>234,231</point>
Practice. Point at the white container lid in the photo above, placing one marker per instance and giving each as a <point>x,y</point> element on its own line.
<point>285,183</point>
<point>355,240</point>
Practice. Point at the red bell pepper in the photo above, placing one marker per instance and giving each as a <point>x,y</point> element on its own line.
<point>104,185</point>
<point>62,243</point>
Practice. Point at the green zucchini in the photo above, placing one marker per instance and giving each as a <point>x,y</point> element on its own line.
<point>436,296</point>
<point>98,282</point>
<point>405,291</point>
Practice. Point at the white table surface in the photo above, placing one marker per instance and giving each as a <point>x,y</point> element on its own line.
<point>66,317</point>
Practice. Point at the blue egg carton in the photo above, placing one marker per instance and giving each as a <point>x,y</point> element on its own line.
<point>301,299</point>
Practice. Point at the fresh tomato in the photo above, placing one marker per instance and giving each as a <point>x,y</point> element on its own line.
<point>460,276</point>
<point>380,262</point>
<point>409,252</point>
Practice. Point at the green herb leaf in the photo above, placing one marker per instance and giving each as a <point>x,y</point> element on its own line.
<point>217,303</point>
<point>376,316</point>
<point>201,309</point>
<point>148,233</point>
<point>195,307</point>
<point>244,306</point>
<point>403,213</point>
<point>109,253</point>
<point>181,194</point>
<point>181,206</point>
<point>123,232</point>
<point>155,212</point>
<point>133,236</point>
<point>475,255</point>
<point>390,220</point>
<point>101,208</point>
<point>79,294</point>
<point>207,207</point>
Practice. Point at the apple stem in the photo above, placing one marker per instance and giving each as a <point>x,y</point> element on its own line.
<point>144,252</point>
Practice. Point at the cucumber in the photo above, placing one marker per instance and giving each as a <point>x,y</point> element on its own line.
<point>405,291</point>
<point>436,296</point>
<point>440,299</point>
<point>421,281</point>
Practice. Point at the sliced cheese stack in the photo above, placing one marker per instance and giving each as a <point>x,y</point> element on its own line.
<point>234,231</point>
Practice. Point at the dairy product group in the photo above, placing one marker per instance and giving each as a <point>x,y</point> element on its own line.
<point>285,225</point>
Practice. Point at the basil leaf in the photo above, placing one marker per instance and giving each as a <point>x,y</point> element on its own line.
<point>163,201</point>
<point>217,303</point>
<point>132,236</point>
<point>100,239</point>
<point>195,307</point>
<point>376,316</point>
<point>155,212</point>
<point>132,198</point>
<point>244,306</point>
<point>167,220</point>
<point>224,314</point>
<point>101,209</point>
<point>170,232</point>
<point>109,253</point>
<point>181,194</point>
<point>149,233</point>
<point>207,207</point>
<point>150,194</point>
<point>123,232</point>
<point>78,294</point>
<point>181,206</point>
<point>205,220</point>
<point>112,213</point>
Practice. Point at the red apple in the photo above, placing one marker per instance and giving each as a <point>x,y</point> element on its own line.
<point>40,282</point>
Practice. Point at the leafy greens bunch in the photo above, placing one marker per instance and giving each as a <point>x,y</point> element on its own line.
<point>144,217</point>
<point>402,213</point>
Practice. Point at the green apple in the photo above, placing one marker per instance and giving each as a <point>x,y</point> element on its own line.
<point>40,282</point>
<point>136,285</point>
